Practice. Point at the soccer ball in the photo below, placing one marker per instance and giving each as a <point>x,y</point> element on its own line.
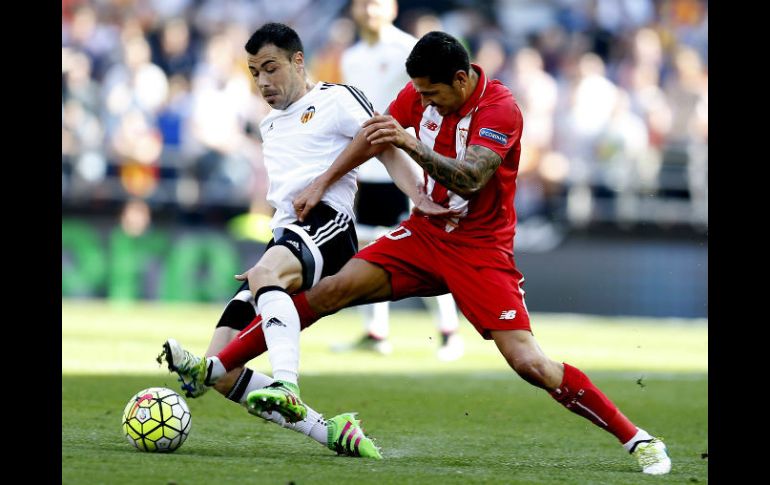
<point>156,419</point>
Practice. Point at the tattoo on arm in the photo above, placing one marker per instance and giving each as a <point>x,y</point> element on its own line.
<point>463,177</point>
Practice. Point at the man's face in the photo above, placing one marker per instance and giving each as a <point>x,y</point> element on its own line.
<point>373,14</point>
<point>279,79</point>
<point>444,97</point>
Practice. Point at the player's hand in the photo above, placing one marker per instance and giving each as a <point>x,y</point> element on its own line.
<point>245,276</point>
<point>242,277</point>
<point>385,129</point>
<point>424,206</point>
<point>308,198</point>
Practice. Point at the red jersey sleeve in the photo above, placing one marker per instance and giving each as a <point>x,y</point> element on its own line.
<point>497,125</point>
<point>401,108</point>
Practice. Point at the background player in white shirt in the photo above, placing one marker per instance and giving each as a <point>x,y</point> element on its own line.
<point>308,127</point>
<point>375,64</point>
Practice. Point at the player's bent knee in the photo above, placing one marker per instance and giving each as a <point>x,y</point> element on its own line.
<point>540,371</point>
<point>532,369</point>
<point>260,276</point>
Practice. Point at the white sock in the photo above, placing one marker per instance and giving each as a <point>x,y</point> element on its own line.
<point>314,425</point>
<point>641,435</point>
<point>444,312</point>
<point>217,369</point>
<point>256,380</point>
<point>281,327</point>
<point>376,319</point>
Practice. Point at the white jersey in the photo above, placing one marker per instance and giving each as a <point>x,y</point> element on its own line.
<point>379,70</point>
<point>302,141</point>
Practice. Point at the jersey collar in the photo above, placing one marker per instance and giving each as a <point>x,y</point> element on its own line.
<point>295,106</point>
<point>475,98</point>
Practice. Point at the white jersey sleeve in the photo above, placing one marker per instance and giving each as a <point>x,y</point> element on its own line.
<point>354,108</point>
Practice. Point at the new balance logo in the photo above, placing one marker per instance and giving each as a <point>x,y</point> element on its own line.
<point>274,321</point>
<point>431,125</point>
<point>508,315</point>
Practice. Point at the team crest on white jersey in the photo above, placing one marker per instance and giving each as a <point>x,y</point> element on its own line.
<point>307,114</point>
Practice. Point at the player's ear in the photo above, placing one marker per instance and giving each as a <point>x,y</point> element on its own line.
<point>460,83</point>
<point>298,59</point>
<point>461,77</point>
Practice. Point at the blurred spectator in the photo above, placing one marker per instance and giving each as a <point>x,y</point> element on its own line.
<point>175,54</point>
<point>591,102</point>
<point>223,105</point>
<point>621,151</point>
<point>687,91</point>
<point>136,147</point>
<point>137,83</point>
<point>326,65</point>
<point>537,94</point>
<point>172,120</point>
<point>419,22</point>
<point>491,56</point>
<point>135,217</point>
<point>87,34</point>
<point>78,84</point>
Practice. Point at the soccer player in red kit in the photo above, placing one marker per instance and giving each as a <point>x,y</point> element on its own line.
<point>468,143</point>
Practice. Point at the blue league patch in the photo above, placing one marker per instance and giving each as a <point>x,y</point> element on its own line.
<point>493,135</point>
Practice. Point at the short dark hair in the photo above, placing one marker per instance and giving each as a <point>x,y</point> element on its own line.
<point>438,56</point>
<point>280,35</point>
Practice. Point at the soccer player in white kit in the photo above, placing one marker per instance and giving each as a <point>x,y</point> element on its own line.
<point>308,127</point>
<point>375,64</point>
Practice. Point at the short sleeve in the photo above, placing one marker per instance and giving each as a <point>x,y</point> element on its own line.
<point>401,107</point>
<point>353,109</point>
<point>497,126</point>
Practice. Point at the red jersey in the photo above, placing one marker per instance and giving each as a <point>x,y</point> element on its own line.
<point>490,118</point>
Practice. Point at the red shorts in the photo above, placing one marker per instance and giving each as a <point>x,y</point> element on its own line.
<point>483,281</point>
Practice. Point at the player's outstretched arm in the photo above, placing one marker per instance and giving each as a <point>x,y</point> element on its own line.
<point>464,176</point>
<point>357,152</point>
<point>408,177</point>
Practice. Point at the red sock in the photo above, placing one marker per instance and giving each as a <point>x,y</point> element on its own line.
<point>307,316</point>
<point>578,394</point>
<point>250,342</point>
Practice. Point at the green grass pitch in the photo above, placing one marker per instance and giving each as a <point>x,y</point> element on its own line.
<point>469,421</point>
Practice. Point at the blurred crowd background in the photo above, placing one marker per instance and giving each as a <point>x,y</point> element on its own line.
<point>160,114</point>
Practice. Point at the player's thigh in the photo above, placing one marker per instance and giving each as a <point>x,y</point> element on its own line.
<point>407,256</point>
<point>358,282</point>
<point>278,266</point>
<point>322,244</point>
<point>487,290</point>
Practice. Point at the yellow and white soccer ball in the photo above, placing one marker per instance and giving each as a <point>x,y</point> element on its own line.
<point>156,419</point>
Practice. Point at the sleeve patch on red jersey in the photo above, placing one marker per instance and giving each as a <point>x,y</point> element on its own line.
<point>493,135</point>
